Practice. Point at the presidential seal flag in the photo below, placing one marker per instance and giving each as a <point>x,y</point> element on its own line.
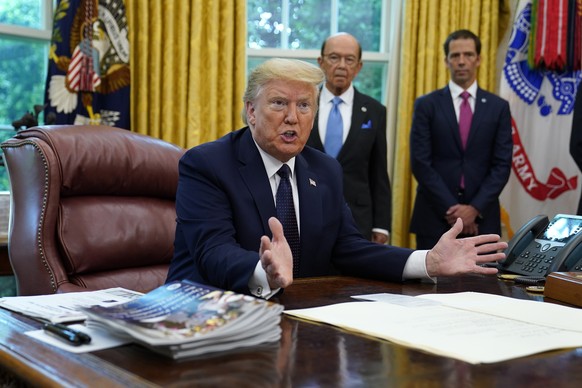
<point>88,77</point>
<point>544,178</point>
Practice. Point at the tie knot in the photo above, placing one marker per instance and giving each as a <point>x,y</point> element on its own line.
<point>465,95</point>
<point>284,171</point>
<point>336,101</point>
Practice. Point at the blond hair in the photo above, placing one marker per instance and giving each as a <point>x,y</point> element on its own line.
<point>281,69</point>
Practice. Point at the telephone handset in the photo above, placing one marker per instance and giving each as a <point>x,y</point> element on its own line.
<point>541,246</point>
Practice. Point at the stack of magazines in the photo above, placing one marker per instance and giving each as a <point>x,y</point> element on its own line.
<point>185,319</point>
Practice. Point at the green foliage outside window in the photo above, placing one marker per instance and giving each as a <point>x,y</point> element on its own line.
<point>308,23</point>
<point>23,63</point>
<point>4,181</point>
<point>22,77</point>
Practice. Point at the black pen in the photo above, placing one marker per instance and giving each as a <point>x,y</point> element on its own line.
<point>71,336</point>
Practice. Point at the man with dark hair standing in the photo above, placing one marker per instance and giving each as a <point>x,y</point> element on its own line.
<point>461,148</point>
<point>360,145</point>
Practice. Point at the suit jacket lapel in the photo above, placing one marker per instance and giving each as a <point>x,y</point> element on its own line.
<point>317,138</point>
<point>310,212</point>
<point>358,116</point>
<point>481,108</point>
<point>253,173</point>
<point>448,108</point>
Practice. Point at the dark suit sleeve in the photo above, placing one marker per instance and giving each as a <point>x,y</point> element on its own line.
<point>364,161</point>
<point>576,135</point>
<point>206,246</point>
<point>379,181</point>
<point>499,167</point>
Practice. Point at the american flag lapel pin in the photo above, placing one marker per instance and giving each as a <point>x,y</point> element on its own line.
<point>312,182</point>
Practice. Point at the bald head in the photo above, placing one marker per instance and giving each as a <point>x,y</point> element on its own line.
<point>340,60</point>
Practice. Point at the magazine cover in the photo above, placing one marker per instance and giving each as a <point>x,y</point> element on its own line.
<point>187,315</point>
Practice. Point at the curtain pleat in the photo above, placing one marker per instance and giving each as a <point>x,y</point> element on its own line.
<point>187,68</point>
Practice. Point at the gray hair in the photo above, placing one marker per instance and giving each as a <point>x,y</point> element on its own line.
<point>281,69</point>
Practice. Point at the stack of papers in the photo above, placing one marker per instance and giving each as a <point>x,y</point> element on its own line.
<point>65,308</point>
<point>472,327</point>
<point>183,319</point>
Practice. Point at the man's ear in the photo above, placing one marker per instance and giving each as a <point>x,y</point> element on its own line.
<point>250,109</point>
<point>358,68</point>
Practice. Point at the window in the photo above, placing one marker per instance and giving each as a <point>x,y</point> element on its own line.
<point>25,32</point>
<point>297,28</point>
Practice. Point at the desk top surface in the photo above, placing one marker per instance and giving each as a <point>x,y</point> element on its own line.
<point>308,354</point>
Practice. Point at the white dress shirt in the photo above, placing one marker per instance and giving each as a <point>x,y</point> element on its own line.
<point>415,267</point>
<point>345,108</point>
<point>456,91</point>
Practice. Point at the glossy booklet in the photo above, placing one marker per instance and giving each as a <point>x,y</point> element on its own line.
<point>183,319</point>
<point>65,307</point>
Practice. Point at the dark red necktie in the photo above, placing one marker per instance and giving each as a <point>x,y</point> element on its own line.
<point>465,118</point>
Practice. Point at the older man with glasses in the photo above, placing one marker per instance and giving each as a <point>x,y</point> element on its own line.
<point>351,127</point>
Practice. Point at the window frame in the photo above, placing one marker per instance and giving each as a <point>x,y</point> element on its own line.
<point>36,35</point>
<point>390,11</point>
<point>40,35</point>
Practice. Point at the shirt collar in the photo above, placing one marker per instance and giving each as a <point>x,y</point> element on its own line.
<point>456,90</point>
<point>272,165</point>
<point>347,97</point>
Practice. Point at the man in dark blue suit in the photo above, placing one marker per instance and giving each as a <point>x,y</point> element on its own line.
<point>576,137</point>
<point>227,234</point>
<point>459,178</point>
<point>363,152</point>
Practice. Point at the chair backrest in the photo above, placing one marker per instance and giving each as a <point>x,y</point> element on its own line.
<point>92,207</point>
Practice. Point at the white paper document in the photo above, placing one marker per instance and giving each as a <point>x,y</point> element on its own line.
<point>61,308</point>
<point>100,339</point>
<point>472,327</point>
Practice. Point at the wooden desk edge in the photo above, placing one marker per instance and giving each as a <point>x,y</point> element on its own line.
<point>32,367</point>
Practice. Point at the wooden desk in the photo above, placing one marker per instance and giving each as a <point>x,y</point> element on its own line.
<point>308,354</point>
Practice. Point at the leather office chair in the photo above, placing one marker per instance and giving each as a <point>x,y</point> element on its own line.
<point>92,207</point>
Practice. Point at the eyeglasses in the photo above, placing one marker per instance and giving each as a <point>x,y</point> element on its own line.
<point>334,59</point>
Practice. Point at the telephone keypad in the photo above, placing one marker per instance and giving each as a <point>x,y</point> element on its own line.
<point>534,261</point>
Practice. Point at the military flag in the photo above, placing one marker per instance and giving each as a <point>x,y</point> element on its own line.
<point>544,179</point>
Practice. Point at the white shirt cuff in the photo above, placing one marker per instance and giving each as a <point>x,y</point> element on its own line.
<point>415,267</point>
<point>380,230</point>
<point>259,285</point>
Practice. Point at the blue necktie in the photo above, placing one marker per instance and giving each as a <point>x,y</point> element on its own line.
<point>335,130</point>
<point>287,217</point>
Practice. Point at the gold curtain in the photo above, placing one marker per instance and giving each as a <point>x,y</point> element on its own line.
<point>426,25</point>
<point>187,63</point>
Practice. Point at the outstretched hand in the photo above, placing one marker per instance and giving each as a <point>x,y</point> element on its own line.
<point>276,257</point>
<point>452,256</point>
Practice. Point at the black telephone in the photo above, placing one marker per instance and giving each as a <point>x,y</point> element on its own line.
<point>541,246</point>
